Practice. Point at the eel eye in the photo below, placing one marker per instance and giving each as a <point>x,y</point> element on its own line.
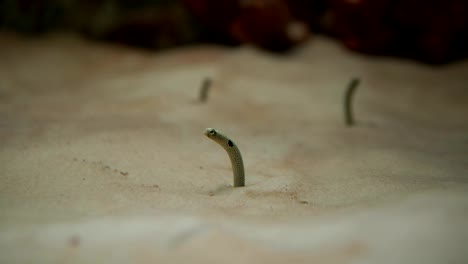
<point>210,132</point>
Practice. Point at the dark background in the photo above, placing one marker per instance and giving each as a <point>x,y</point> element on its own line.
<point>431,31</point>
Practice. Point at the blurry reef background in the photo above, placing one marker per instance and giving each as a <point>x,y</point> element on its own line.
<point>431,31</point>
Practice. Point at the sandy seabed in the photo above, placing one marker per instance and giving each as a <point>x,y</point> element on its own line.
<point>103,157</point>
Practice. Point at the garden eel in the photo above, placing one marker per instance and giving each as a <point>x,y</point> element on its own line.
<point>233,152</point>
<point>348,107</point>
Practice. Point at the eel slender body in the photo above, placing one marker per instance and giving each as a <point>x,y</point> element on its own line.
<point>204,89</point>
<point>233,152</point>
<point>348,100</point>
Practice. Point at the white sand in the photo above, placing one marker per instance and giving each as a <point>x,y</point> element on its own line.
<point>103,157</point>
